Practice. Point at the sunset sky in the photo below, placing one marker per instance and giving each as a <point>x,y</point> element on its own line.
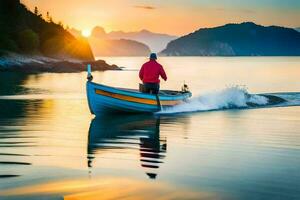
<point>176,17</point>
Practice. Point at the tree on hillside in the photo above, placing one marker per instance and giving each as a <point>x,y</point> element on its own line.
<point>61,24</point>
<point>25,32</point>
<point>36,11</point>
<point>47,17</point>
<point>28,41</point>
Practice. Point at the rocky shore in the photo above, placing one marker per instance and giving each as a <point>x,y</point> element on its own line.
<point>39,64</point>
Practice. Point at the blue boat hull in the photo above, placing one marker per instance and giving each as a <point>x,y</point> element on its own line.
<point>103,98</point>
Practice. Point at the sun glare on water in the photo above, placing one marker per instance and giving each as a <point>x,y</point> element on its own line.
<point>86,33</point>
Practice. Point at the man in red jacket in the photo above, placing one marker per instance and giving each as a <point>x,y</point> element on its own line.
<point>149,74</point>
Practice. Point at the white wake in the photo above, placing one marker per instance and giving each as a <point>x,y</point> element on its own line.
<point>233,97</point>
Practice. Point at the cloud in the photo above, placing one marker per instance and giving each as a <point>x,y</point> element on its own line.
<point>145,7</point>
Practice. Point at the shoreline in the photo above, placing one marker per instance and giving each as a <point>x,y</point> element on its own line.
<point>41,64</point>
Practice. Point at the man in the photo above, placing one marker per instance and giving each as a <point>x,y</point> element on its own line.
<point>149,74</point>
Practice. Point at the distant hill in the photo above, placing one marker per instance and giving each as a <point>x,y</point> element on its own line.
<point>155,41</point>
<point>245,39</point>
<point>24,32</point>
<point>122,47</point>
<point>104,46</point>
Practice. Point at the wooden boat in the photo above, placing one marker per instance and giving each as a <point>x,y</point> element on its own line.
<point>102,98</point>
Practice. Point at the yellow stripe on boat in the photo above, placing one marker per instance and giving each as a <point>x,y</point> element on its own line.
<point>136,99</point>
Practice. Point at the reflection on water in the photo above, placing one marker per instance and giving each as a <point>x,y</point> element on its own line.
<point>109,133</point>
<point>52,148</point>
<point>12,83</point>
<point>107,188</point>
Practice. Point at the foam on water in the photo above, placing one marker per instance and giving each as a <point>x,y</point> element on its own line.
<point>232,98</point>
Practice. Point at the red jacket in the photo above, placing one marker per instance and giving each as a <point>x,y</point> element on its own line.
<point>150,72</point>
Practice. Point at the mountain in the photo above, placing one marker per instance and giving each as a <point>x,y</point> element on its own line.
<point>102,45</point>
<point>27,33</point>
<point>118,47</point>
<point>156,41</point>
<point>245,39</point>
<point>99,32</point>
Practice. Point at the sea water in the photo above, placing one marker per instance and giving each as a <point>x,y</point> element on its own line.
<point>228,142</point>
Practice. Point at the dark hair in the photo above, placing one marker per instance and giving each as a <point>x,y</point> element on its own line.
<point>153,56</point>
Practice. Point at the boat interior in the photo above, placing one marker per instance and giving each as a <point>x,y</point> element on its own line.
<point>161,92</point>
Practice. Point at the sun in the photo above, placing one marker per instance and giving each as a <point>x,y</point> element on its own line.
<point>86,33</point>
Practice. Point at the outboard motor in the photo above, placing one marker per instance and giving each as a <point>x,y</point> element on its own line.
<point>185,88</point>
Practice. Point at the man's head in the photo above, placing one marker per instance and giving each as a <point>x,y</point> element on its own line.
<point>153,56</point>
